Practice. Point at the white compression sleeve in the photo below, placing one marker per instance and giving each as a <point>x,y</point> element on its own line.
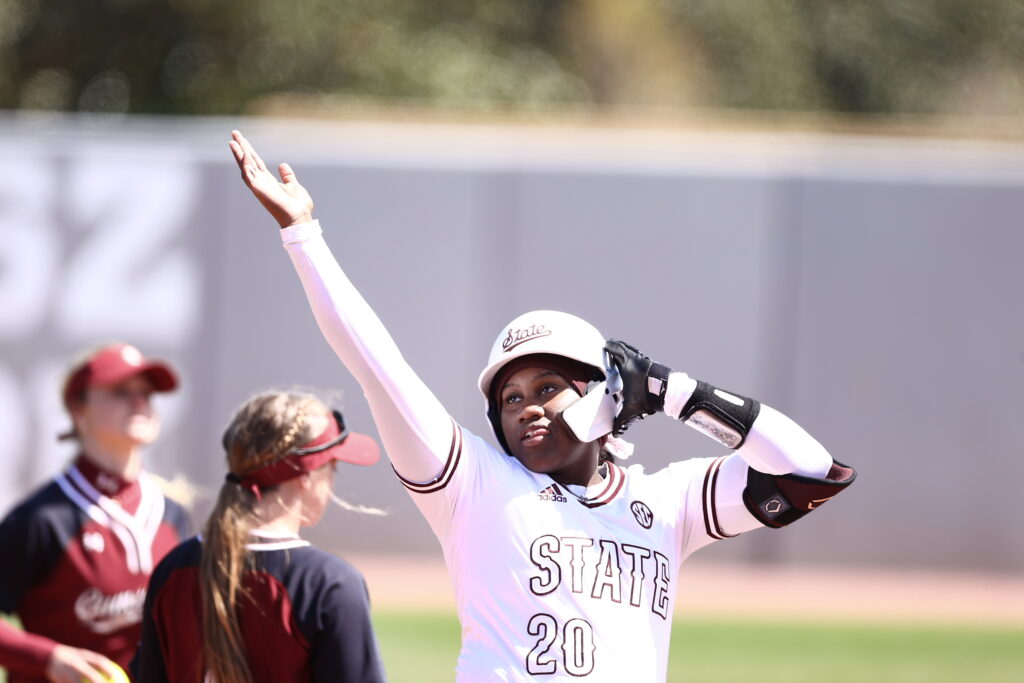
<point>414,426</point>
<point>778,445</point>
<point>775,444</point>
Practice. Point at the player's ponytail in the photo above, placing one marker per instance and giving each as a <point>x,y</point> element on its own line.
<point>262,430</point>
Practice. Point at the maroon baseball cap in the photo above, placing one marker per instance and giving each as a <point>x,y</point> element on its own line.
<point>114,364</point>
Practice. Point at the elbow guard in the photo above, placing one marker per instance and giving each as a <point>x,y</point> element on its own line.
<point>777,500</point>
<point>725,417</point>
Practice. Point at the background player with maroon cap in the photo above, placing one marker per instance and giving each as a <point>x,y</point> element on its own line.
<point>269,606</point>
<point>79,551</point>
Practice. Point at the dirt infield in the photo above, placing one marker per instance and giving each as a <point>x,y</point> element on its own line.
<point>727,590</point>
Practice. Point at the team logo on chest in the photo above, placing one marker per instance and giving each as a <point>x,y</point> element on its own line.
<point>106,483</point>
<point>92,540</point>
<point>136,532</point>
<point>552,493</point>
<point>102,613</point>
<point>643,514</point>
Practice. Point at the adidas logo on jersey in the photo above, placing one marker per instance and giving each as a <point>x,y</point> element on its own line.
<point>552,493</point>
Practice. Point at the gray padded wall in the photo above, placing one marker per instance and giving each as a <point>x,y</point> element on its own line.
<point>868,287</point>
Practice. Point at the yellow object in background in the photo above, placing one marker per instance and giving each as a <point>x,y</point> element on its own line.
<point>119,676</point>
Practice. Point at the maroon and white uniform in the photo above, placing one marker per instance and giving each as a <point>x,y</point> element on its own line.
<point>305,617</point>
<point>77,555</point>
<point>551,582</point>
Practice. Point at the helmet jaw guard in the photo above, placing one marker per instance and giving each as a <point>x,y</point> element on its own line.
<point>593,415</point>
<point>565,335</point>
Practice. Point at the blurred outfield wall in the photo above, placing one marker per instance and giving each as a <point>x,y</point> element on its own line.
<point>871,288</point>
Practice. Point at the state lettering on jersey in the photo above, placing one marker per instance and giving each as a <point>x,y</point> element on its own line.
<point>603,569</point>
<point>102,613</point>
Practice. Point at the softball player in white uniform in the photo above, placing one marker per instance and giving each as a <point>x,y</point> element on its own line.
<point>563,562</point>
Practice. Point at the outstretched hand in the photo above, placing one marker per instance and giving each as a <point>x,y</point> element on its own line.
<point>73,665</point>
<point>287,201</point>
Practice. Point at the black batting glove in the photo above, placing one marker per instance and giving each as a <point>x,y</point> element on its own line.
<point>644,383</point>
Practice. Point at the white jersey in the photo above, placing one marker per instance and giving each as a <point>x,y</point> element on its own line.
<point>550,584</point>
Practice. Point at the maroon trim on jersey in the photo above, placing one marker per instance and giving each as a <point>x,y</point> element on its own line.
<point>135,531</point>
<point>442,479</point>
<point>616,479</point>
<point>127,493</point>
<point>710,511</point>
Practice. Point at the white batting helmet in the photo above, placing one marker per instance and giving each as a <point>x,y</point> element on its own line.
<point>558,334</point>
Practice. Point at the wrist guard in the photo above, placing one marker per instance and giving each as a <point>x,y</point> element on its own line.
<point>644,383</point>
<point>777,500</point>
<point>724,416</point>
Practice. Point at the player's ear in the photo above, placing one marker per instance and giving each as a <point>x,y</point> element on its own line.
<point>76,411</point>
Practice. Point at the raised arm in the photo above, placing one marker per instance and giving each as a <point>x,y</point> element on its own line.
<point>416,429</point>
<point>287,201</point>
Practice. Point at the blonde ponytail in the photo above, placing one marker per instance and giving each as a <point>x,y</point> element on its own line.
<point>263,430</point>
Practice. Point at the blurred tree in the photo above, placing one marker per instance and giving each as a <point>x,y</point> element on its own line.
<point>879,56</point>
<point>221,56</point>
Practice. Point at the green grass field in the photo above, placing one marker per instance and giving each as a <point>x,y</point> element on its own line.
<point>422,648</point>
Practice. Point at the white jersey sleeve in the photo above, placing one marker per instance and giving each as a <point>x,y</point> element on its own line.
<point>420,438</point>
<point>775,445</point>
<point>714,509</point>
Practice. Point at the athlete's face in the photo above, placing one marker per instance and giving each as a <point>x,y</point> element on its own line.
<point>317,490</point>
<point>531,400</point>
<point>119,416</point>
<point>318,494</point>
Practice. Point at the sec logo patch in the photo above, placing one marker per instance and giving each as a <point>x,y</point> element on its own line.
<point>643,514</point>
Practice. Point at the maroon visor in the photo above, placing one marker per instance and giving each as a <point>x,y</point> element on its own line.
<point>335,443</point>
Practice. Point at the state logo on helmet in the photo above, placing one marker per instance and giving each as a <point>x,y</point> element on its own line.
<point>553,333</point>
